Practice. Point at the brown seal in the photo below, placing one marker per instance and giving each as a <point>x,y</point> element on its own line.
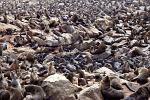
<point>108,92</point>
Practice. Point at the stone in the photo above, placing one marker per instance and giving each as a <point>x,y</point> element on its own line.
<point>58,86</point>
<point>91,93</point>
<point>105,70</point>
<point>39,41</point>
<point>108,39</point>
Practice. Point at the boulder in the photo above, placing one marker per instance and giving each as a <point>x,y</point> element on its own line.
<point>58,87</point>
<point>91,93</point>
<point>105,70</point>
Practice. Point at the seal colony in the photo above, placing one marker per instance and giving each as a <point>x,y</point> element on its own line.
<point>75,50</point>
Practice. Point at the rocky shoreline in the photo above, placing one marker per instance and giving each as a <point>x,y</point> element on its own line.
<point>74,50</point>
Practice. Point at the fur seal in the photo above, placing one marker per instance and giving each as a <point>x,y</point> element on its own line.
<point>108,92</point>
<point>143,93</point>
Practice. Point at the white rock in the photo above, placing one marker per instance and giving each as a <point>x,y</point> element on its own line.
<point>105,70</point>
<point>68,38</point>
<point>55,78</point>
<point>91,93</point>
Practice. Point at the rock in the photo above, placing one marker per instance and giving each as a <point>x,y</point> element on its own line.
<point>24,49</point>
<point>91,93</point>
<point>71,97</point>
<point>120,44</point>
<point>68,38</point>
<point>39,41</point>
<point>51,41</point>
<point>58,87</point>
<point>55,78</point>
<point>117,65</point>
<point>94,32</point>
<point>108,40</point>
<point>105,71</point>
<point>83,41</point>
